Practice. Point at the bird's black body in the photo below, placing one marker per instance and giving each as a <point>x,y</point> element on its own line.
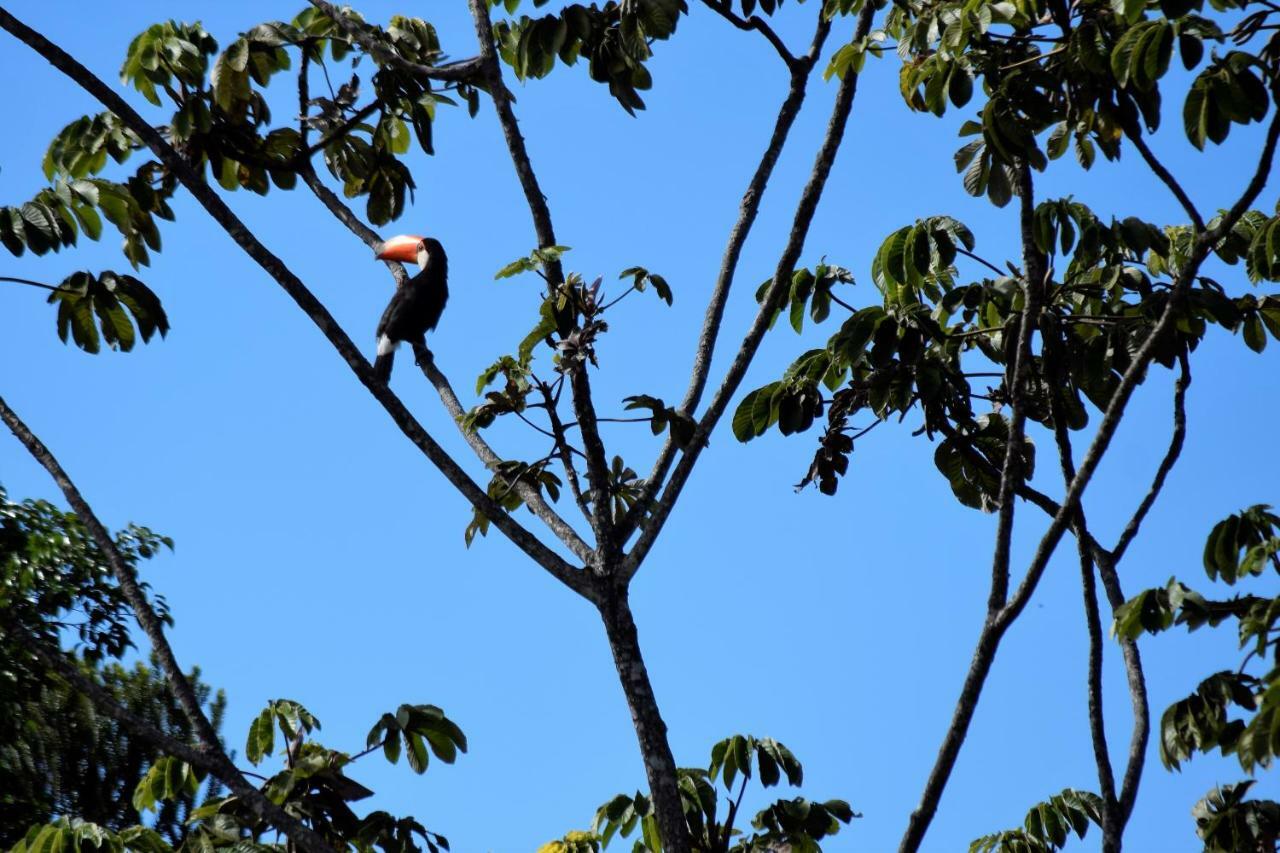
<point>415,308</point>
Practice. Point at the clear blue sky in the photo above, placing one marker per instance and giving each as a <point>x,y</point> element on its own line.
<point>320,557</point>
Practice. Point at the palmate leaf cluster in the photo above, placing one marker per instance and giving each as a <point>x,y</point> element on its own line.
<point>1047,76</point>
<point>1086,73</point>
<point>614,38</point>
<point>797,824</point>
<point>1048,825</point>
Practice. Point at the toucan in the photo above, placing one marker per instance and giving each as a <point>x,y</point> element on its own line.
<point>417,305</point>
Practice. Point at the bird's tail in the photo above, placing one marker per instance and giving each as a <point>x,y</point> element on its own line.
<point>382,366</point>
<point>383,360</point>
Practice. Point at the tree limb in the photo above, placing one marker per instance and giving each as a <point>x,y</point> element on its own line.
<point>212,756</point>
<point>748,207</point>
<point>803,218</point>
<point>1132,131</point>
<point>1166,464</point>
<point>304,298</point>
<point>1033,262</point>
<point>531,495</point>
<point>755,22</point>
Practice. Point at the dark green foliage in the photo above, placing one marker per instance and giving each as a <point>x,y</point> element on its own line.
<point>797,824</point>
<point>912,352</point>
<point>418,727</point>
<point>1048,825</point>
<point>1227,822</point>
<point>614,38</point>
<point>681,425</point>
<point>88,302</point>
<point>502,488</point>
<point>59,756</point>
<point>54,578</point>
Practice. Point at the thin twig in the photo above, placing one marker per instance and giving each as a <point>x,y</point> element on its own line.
<point>755,22</point>
<point>31,283</point>
<point>986,263</point>
<point>550,403</point>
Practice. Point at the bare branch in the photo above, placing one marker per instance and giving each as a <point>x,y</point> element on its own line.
<point>565,449</point>
<point>305,300</point>
<point>1134,133</point>
<point>212,756</point>
<point>1112,820</point>
<point>803,218</point>
<point>755,22</point>
<point>747,210</point>
<point>464,71</point>
<point>1166,464</point>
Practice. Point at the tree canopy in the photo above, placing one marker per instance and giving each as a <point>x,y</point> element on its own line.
<point>1007,349</point>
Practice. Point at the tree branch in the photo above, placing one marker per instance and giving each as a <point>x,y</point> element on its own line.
<point>755,22</point>
<point>211,757</point>
<point>1112,820</point>
<point>803,218</point>
<point>305,300</point>
<point>1166,464</point>
<point>1134,133</point>
<point>1033,262</point>
<point>748,207</point>
<point>562,444</point>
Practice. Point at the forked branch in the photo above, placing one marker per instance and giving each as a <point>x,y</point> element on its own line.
<point>803,218</point>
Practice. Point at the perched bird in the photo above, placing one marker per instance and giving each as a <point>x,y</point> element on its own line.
<point>417,305</point>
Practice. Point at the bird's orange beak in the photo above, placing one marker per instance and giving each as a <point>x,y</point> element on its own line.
<point>403,249</point>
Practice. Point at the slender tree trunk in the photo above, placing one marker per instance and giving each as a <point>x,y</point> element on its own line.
<point>659,765</point>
